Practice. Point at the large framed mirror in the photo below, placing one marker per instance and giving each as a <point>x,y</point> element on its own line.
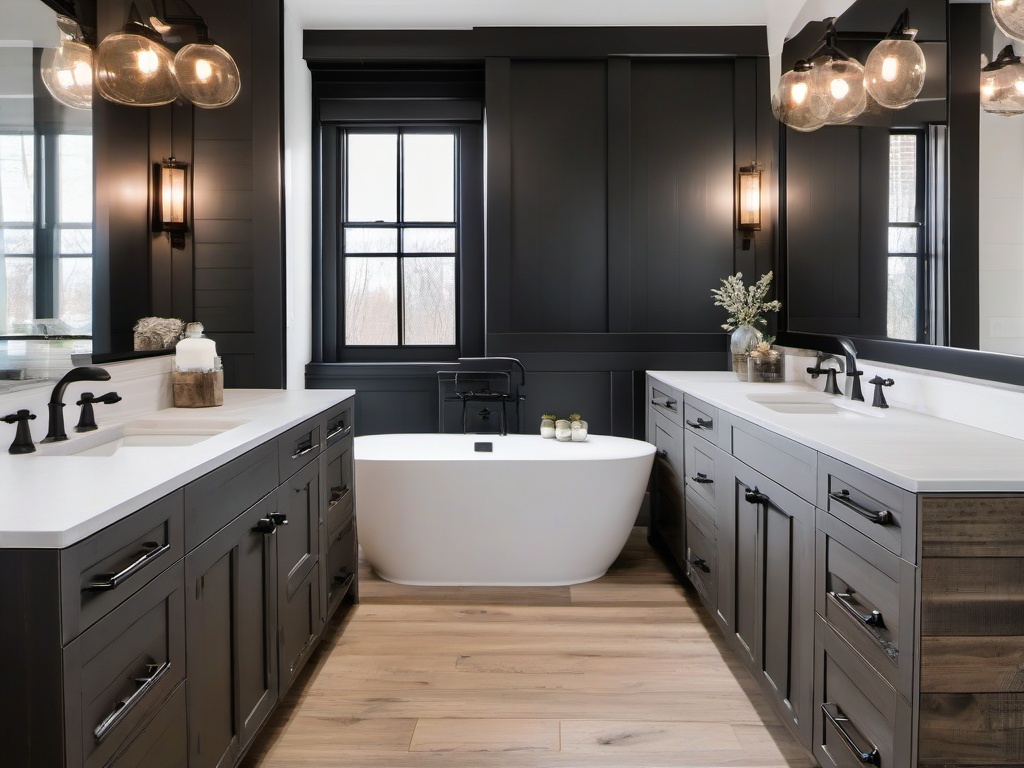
<point>903,229</point>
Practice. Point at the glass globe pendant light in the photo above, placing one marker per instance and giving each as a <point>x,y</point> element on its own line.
<point>134,68</point>
<point>895,69</point>
<point>837,86</point>
<point>66,70</point>
<point>791,100</point>
<point>206,74</point>
<point>1009,17</point>
<point>1002,84</point>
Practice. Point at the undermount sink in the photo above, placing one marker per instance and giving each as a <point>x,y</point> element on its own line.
<point>812,403</point>
<point>143,433</point>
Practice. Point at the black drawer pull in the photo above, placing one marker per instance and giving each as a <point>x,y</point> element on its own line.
<point>338,493</point>
<point>756,497</point>
<point>304,450</point>
<point>873,619</point>
<point>124,706</point>
<point>881,517</point>
<point>279,518</point>
<point>339,430</point>
<point>662,454</point>
<point>151,551</point>
<point>702,478</point>
<point>264,525</point>
<point>701,424</point>
<point>700,564</point>
<point>837,718</point>
<point>665,402</point>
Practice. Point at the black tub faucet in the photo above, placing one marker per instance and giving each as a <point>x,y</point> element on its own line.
<point>55,433</point>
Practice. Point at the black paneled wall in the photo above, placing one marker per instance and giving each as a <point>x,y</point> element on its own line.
<point>610,215</point>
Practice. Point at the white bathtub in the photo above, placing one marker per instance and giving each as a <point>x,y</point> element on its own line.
<point>533,512</point>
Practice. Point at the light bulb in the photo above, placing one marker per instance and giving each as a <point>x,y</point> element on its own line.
<point>203,70</point>
<point>895,70</point>
<point>67,74</point>
<point>207,75</point>
<point>790,100</point>
<point>840,89</point>
<point>837,90</point>
<point>1009,17</point>
<point>147,61</point>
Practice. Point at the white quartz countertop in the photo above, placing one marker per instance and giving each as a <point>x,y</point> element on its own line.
<point>917,452</point>
<point>53,501</point>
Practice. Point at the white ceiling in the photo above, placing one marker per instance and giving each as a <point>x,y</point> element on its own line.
<point>464,14</point>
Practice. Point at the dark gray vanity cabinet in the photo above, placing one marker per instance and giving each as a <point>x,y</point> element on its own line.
<point>231,581</point>
<point>167,638</point>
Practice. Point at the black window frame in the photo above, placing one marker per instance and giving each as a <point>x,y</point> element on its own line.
<point>329,286</point>
<point>920,224</point>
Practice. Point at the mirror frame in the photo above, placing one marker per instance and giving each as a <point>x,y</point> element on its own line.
<point>962,236</point>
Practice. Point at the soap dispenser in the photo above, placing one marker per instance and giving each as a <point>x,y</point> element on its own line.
<point>195,352</point>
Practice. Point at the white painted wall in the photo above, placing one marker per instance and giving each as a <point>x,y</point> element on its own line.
<point>298,201</point>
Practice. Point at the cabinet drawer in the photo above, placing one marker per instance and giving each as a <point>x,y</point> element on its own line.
<point>298,528</point>
<point>214,500</point>
<point>123,668</point>
<point>867,594</point>
<point>701,514</point>
<point>338,483</point>
<point>299,446</point>
<point>859,718</point>
<point>788,463</point>
<point>699,462</point>
<point>339,423</point>
<point>163,741</point>
<point>665,402</point>
<point>341,563</point>
<point>701,418</point>
<point>702,564</point>
<point>881,511</point>
<point>101,572</point>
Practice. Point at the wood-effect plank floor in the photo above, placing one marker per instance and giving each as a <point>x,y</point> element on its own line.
<point>625,671</point>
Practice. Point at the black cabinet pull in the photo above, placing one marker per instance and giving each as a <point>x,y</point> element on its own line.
<point>756,497</point>
<point>341,429</point>
<point>662,454</point>
<point>338,493</point>
<point>701,564</point>
<point>664,402</point>
<point>264,525</point>
<point>304,450</point>
<point>702,478</point>
<point>873,619</point>
<point>151,551</point>
<point>838,720</point>
<point>279,518</point>
<point>701,423</point>
<point>124,706</point>
<point>881,517</point>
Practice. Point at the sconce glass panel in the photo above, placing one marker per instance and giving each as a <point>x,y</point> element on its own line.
<point>749,203</point>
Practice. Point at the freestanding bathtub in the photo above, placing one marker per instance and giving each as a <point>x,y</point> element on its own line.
<point>531,512</point>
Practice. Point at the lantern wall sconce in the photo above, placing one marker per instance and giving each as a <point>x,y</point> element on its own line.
<point>171,200</point>
<point>748,199</point>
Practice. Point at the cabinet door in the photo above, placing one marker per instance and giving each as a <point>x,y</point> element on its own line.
<point>231,586</point>
<point>766,595</point>
<point>300,617</point>
<point>667,515</point>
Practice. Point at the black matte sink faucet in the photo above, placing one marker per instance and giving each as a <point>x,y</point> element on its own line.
<point>56,432</point>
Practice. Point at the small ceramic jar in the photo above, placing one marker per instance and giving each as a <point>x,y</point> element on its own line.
<point>547,426</point>
<point>563,432</point>
<point>578,427</point>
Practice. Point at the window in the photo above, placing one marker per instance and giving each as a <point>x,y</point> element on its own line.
<point>904,316</point>
<point>400,235</point>
<point>46,239</point>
